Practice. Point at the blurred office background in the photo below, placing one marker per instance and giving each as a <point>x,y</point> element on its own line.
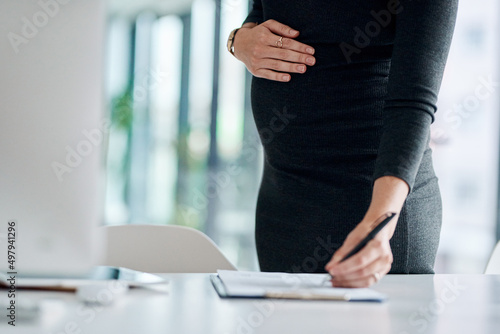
<point>183,148</point>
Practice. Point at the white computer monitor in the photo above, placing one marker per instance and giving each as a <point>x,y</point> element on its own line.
<point>52,135</point>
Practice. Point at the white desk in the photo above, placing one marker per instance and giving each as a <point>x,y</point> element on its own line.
<point>417,304</point>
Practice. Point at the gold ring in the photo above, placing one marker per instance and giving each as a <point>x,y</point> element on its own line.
<point>376,276</point>
<point>279,42</point>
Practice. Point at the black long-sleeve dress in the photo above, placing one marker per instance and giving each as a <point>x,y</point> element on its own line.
<point>363,111</point>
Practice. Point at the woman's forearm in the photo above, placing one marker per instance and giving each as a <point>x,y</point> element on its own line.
<point>389,194</point>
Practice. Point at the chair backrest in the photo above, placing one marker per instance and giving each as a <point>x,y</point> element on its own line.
<point>493,266</point>
<point>163,249</point>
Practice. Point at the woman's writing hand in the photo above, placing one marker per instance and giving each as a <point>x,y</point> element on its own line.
<point>258,47</point>
<point>367,266</point>
<point>375,259</point>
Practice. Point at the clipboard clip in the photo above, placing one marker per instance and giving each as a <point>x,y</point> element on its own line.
<point>304,295</point>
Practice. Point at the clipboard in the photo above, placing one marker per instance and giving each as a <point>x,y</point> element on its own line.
<point>359,295</point>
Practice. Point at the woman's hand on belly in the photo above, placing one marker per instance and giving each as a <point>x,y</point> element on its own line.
<point>266,56</point>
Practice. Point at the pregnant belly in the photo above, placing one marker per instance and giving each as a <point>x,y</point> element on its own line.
<point>324,121</point>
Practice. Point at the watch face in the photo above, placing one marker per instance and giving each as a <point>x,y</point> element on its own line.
<point>230,41</point>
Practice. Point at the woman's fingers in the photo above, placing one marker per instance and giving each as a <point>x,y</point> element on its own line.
<point>375,250</point>
<point>281,66</point>
<point>370,260</point>
<point>280,29</point>
<point>350,242</point>
<point>289,44</point>
<point>288,55</point>
<point>361,269</point>
<point>363,281</point>
<point>269,51</point>
<point>271,75</point>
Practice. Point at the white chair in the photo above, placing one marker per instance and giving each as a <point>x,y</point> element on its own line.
<point>163,249</point>
<point>493,266</point>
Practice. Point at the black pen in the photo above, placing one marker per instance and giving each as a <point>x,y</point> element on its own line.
<point>379,225</point>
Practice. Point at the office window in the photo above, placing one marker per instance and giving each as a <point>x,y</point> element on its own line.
<point>119,51</point>
<point>164,78</point>
<point>465,138</point>
<point>239,150</point>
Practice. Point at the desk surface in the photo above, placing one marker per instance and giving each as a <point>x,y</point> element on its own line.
<point>417,304</point>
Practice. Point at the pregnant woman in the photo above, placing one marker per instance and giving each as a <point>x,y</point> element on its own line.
<point>355,85</point>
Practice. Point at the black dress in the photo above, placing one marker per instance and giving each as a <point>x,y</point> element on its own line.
<point>363,111</point>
